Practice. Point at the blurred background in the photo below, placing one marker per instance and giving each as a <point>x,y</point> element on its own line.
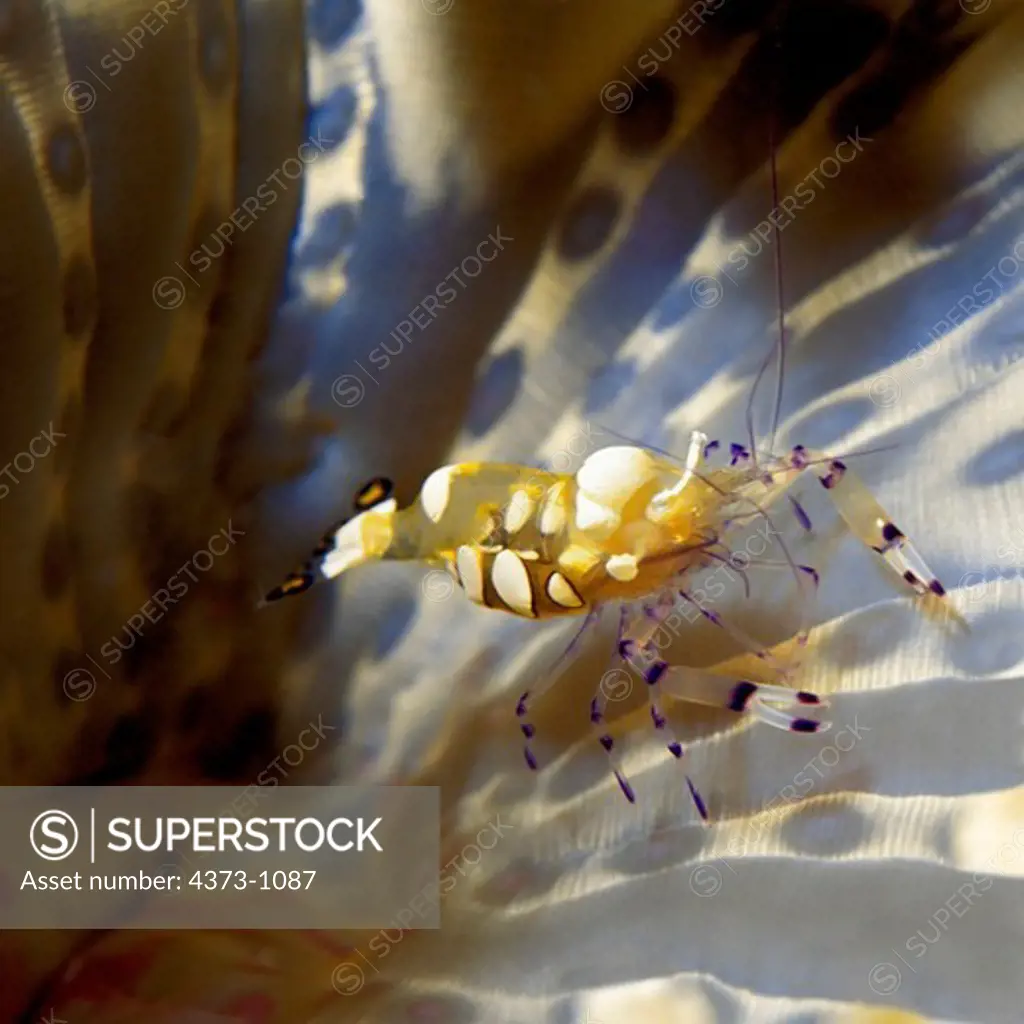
<point>221,224</point>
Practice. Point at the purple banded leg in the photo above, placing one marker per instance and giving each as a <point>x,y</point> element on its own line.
<point>527,729</point>
<point>522,706</point>
<point>600,726</point>
<point>522,713</point>
<point>607,741</point>
<point>653,669</point>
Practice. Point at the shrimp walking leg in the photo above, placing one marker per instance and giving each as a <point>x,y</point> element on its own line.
<point>528,730</point>
<point>635,648</point>
<point>778,706</point>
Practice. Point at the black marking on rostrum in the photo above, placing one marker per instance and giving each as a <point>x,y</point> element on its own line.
<point>527,730</point>
<point>606,741</point>
<point>740,696</point>
<point>805,697</point>
<point>911,578</point>
<point>595,712</point>
<point>937,588</point>
<point>675,748</point>
<point>657,718</point>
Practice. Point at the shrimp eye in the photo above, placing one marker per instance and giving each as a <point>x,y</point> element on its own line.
<point>379,489</point>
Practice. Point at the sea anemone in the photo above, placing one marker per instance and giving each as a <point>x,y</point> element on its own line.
<point>650,185</point>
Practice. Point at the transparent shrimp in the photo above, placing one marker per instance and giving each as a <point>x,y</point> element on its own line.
<point>631,527</point>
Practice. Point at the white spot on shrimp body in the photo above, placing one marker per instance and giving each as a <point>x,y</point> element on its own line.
<point>594,518</point>
<point>468,563</point>
<point>561,591</point>
<point>622,568</point>
<point>520,507</point>
<point>512,582</point>
<point>613,475</point>
<point>436,491</point>
<point>554,513</point>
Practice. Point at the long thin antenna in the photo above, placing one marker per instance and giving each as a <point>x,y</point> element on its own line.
<point>780,366</point>
<point>779,346</point>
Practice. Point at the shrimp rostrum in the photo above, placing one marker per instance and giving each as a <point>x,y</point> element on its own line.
<point>630,527</point>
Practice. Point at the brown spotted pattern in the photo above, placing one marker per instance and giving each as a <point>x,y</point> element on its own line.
<point>115,156</point>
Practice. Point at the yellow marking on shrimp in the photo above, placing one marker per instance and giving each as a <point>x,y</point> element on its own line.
<point>373,493</point>
<point>578,562</point>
